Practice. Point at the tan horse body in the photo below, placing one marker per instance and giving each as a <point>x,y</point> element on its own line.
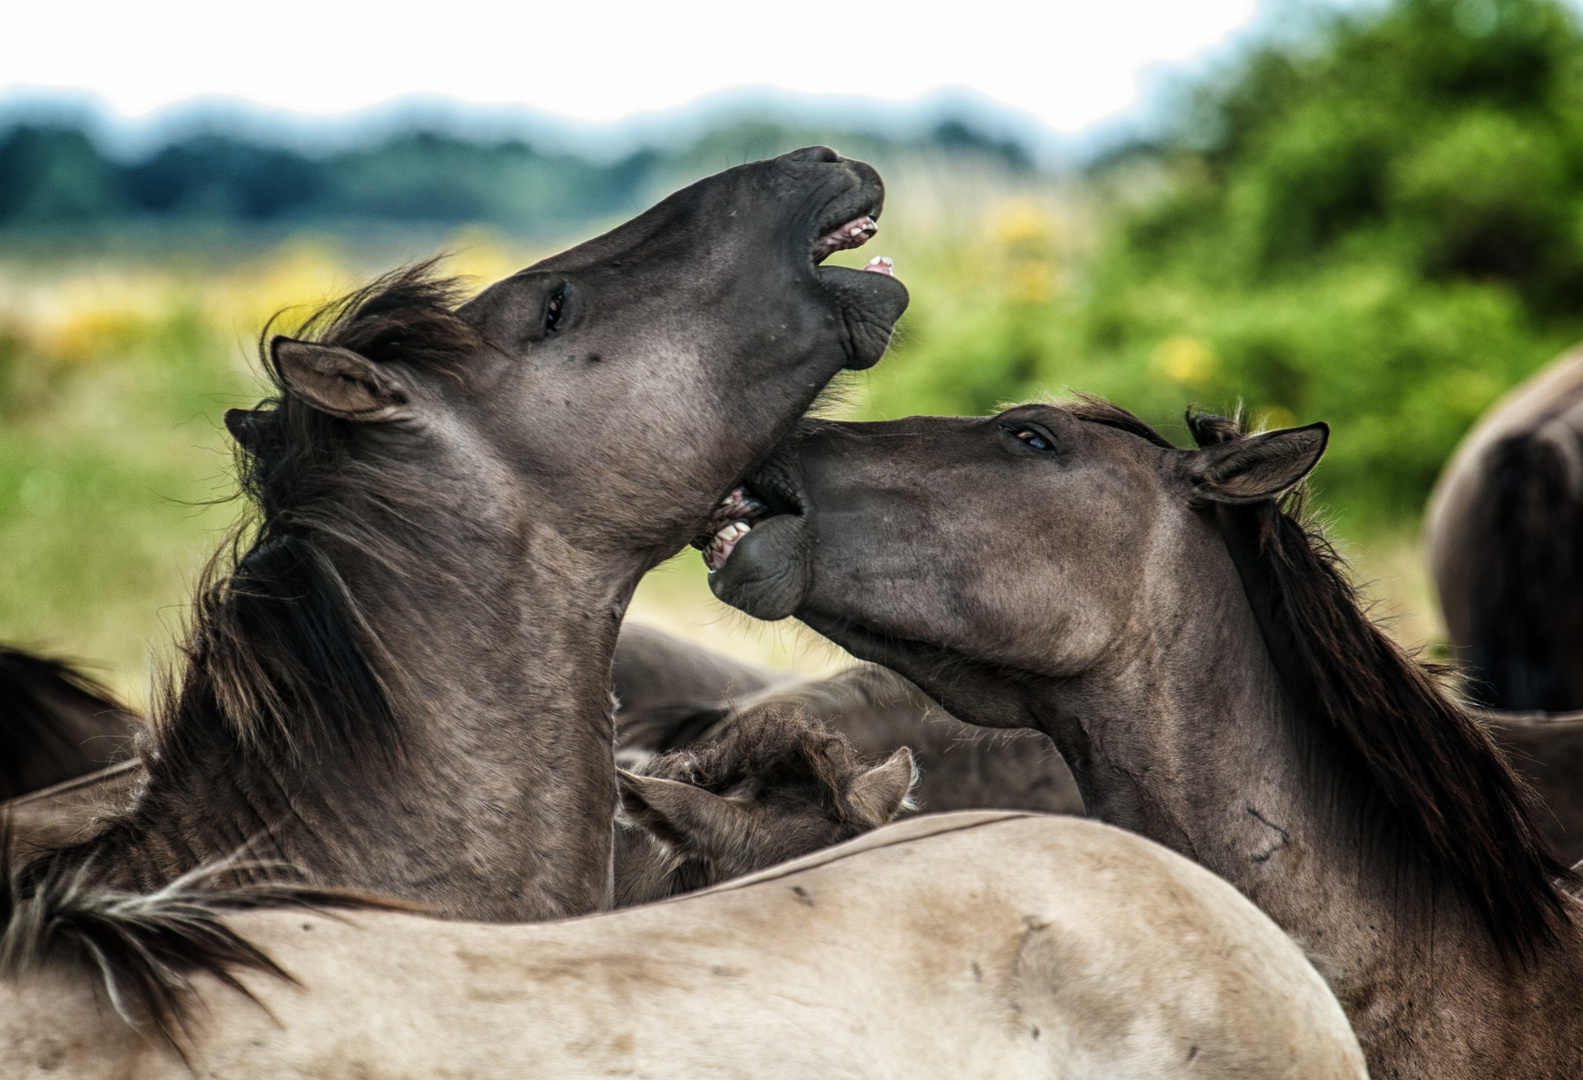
<point>984,944</point>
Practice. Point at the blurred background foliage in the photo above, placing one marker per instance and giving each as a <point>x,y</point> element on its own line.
<point>1375,219</point>
<point>1369,215</point>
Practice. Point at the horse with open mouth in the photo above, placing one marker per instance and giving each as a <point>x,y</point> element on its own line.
<point>396,681</point>
<point>1198,655</point>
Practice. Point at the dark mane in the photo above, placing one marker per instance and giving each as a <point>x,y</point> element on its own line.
<point>49,710</point>
<point>1429,780</point>
<point>278,651</point>
<point>280,666</point>
<point>1528,573</point>
<point>773,749</point>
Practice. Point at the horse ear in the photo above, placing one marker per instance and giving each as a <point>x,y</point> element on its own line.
<point>881,792</point>
<point>339,381</point>
<point>243,428</point>
<point>684,814</point>
<point>1256,467</point>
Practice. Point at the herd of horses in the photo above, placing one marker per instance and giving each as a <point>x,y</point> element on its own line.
<point>1129,786</point>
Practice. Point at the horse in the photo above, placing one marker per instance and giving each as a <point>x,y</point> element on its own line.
<point>981,944</point>
<point>775,785</point>
<point>396,680</point>
<point>1504,539</point>
<point>672,694</point>
<point>1200,658</point>
<point>56,723</point>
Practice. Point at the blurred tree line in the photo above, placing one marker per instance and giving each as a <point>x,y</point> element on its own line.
<point>1373,217</point>
<point>55,178</point>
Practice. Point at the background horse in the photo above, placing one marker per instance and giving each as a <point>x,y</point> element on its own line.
<point>1504,533</point>
<point>773,786</point>
<point>672,694</point>
<point>56,723</point>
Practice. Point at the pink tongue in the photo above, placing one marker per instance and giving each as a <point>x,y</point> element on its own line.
<point>854,233</point>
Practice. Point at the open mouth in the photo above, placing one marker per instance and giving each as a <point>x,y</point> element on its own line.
<point>853,234</point>
<point>742,508</point>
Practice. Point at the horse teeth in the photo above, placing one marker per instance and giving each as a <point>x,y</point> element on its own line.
<point>724,542</point>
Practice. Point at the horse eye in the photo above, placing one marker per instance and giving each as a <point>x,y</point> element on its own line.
<point>1033,437</point>
<point>555,310</point>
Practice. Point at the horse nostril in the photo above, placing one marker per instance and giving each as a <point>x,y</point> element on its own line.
<point>812,153</point>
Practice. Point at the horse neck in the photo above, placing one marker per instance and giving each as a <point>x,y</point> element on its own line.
<point>497,799</point>
<point>1188,736</point>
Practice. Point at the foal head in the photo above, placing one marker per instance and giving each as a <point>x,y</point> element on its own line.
<point>775,786</point>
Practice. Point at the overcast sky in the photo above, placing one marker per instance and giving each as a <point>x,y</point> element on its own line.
<point>1066,62</point>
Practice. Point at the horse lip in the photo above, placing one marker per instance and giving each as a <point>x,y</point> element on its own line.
<point>849,234</point>
<point>847,209</point>
<point>750,502</point>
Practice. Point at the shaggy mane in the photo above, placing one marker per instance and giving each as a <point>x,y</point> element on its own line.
<point>1429,781</point>
<point>279,652</point>
<point>280,665</point>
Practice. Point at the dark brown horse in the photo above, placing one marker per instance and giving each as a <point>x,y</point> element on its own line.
<point>1504,532</point>
<point>55,723</point>
<point>398,679</point>
<point>1200,658</point>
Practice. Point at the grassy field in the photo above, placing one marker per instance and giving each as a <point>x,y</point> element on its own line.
<point>115,370</point>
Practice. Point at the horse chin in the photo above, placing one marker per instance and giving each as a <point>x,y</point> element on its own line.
<point>767,571</point>
<point>869,301</point>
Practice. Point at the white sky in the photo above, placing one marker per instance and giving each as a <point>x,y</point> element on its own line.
<point>1066,62</point>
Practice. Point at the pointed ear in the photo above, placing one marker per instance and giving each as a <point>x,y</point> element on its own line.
<point>1256,467</point>
<point>243,426</point>
<point>880,793</point>
<point>339,382</point>
<point>684,814</point>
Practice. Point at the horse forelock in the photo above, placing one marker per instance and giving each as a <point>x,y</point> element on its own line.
<point>279,646</point>
<point>1096,410</point>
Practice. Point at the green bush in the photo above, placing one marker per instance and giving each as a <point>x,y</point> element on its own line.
<point>1374,219</point>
